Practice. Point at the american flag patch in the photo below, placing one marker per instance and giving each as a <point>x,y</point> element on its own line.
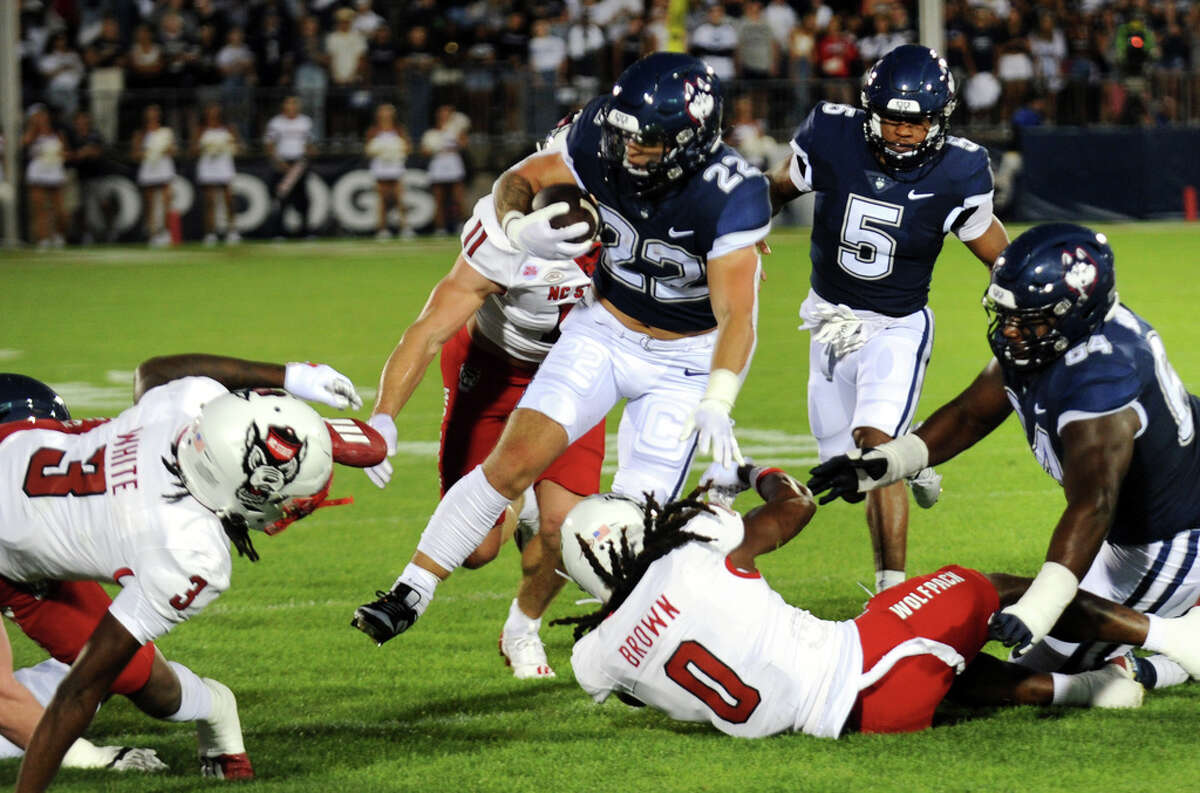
<point>601,534</point>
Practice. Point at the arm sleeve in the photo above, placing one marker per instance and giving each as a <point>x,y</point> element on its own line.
<point>745,218</point>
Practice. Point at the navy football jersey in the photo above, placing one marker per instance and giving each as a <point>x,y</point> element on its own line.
<point>875,237</point>
<point>655,254</point>
<point>1123,365</point>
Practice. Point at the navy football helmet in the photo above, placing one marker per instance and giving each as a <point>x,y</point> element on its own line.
<point>910,83</point>
<point>665,98</point>
<point>1054,285</point>
<point>23,397</point>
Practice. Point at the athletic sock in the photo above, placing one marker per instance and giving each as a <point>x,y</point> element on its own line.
<point>195,701</point>
<point>423,581</point>
<point>519,622</point>
<point>886,579</point>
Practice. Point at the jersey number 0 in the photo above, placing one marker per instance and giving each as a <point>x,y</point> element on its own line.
<point>710,680</point>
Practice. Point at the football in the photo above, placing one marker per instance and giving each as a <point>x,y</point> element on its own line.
<point>356,443</point>
<point>583,208</point>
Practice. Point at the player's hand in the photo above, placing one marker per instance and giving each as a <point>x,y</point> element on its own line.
<point>724,482</point>
<point>714,431</point>
<point>533,233</point>
<point>317,382</point>
<point>129,758</point>
<point>381,474</point>
<point>1011,631</point>
<point>851,475</point>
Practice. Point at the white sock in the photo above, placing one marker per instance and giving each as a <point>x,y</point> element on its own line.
<point>1157,634</point>
<point>886,579</point>
<point>1068,690</point>
<point>519,622</point>
<point>1167,672</point>
<point>423,581</point>
<point>196,702</point>
<point>463,518</point>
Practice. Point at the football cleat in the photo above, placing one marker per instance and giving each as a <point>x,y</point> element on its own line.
<point>219,737</point>
<point>526,654</point>
<point>1112,686</point>
<point>926,486</point>
<point>390,615</point>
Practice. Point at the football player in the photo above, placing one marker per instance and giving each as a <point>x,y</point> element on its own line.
<point>152,500</point>
<point>494,317</point>
<point>689,626</point>
<point>890,183</point>
<point>1105,415</point>
<point>670,326</point>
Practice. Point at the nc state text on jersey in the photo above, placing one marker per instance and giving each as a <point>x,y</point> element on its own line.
<point>557,293</point>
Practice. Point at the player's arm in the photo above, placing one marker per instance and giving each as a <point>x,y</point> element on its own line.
<point>314,382</point>
<point>987,246</point>
<point>70,711</point>
<point>530,230</point>
<point>787,509</point>
<point>1096,456</point>
<point>781,187</point>
<point>954,427</point>
<point>19,711</point>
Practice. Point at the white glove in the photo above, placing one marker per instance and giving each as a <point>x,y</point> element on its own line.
<point>533,233</point>
<point>85,754</point>
<point>381,474</point>
<point>724,482</point>
<point>317,382</point>
<point>711,420</point>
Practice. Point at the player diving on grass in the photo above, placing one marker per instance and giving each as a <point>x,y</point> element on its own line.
<point>152,500</point>
<point>689,626</point>
<point>890,185</point>
<point>1105,414</point>
<point>669,326</point>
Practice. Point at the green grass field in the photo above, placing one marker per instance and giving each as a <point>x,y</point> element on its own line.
<point>436,710</point>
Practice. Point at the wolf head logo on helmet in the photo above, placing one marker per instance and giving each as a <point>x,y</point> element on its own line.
<point>270,463</point>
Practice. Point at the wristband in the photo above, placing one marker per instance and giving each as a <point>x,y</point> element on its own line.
<point>758,473</point>
<point>723,386</point>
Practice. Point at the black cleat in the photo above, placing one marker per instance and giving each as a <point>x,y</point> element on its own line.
<point>391,615</point>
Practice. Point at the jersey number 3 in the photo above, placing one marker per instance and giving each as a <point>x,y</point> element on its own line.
<point>48,476</point>
<point>711,681</point>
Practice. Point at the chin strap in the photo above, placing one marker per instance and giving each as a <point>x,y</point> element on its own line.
<point>301,507</point>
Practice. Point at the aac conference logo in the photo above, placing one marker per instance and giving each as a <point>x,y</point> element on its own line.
<point>349,203</point>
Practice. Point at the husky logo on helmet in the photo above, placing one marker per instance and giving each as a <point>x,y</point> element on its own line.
<point>1081,274</point>
<point>270,463</point>
<point>700,101</point>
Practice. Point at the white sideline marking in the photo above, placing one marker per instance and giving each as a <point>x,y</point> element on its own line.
<point>8,355</point>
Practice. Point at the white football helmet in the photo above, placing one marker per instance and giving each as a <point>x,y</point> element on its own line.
<point>258,455</point>
<point>598,522</point>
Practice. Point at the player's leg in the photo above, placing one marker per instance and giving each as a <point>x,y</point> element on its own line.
<point>19,711</point>
<point>60,217</point>
<point>230,228</point>
<point>210,213</point>
<point>381,206</point>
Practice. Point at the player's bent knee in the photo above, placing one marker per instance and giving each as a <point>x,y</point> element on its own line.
<point>137,672</point>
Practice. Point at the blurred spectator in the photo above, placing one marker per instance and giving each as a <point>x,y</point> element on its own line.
<point>443,145</point>
<point>631,45</point>
<point>383,64</point>
<point>822,12</point>
<point>479,77</point>
<point>94,217</point>
<point>982,89</point>
<point>715,41</point>
<point>1048,47</point>
<point>512,52</point>
<point>366,21</point>
<point>388,146</point>
<point>1172,68</point>
<point>46,151</point>
<point>289,142</point>
<point>215,147</point>
<point>802,48</point>
<point>154,150</point>
<point>271,43</point>
<point>1014,66</point>
<point>757,54</point>
<point>178,8</point>
<point>207,73</point>
<point>209,13</point>
<point>311,78</point>
<point>347,49</point>
<point>105,58</point>
<point>236,62</point>
<point>747,134</point>
<point>146,61</point>
<point>782,19</point>
<point>417,64</point>
<point>62,69</point>
<point>180,54</point>
<point>837,59</point>
<point>881,41</point>
<point>548,67</point>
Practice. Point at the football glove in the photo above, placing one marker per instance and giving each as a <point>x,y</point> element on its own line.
<point>851,475</point>
<point>84,754</point>
<point>533,233</point>
<point>1026,622</point>
<point>381,474</point>
<point>711,421</point>
<point>725,481</point>
<point>317,382</point>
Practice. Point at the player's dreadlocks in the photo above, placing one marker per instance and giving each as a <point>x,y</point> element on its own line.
<point>234,525</point>
<point>663,534</point>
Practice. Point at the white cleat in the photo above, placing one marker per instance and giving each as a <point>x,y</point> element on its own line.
<point>526,654</point>
<point>926,486</point>
<point>219,737</point>
<point>210,239</point>
<point>1112,686</point>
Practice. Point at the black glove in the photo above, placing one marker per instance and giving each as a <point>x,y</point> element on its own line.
<point>842,476</point>
<point>1008,629</point>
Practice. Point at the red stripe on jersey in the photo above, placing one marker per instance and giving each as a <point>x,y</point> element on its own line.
<point>739,572</point>
<point>68,427</point>
<point>124,571</point>
<point>482,232</point>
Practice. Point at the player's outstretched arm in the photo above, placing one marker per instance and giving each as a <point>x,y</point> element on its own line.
<point>1096,455</point>
<point>451,303</point>
<point>781,188</point>
<point>314,382</point>
<point>788,508</point>
<point>952,428</point>
<point>19,711</point>
<point>70,711</point>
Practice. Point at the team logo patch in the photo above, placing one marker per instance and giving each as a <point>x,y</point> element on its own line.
<point>1081,271</point>
<point>270,463</point>
<point>879,182</point>
<point>700,102</point>
<point>468,378</point>
<point>529,271</point>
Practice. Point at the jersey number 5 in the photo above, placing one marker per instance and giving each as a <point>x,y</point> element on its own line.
<point>47,476</point>
<point>711,681</point>
<point>867,251</point>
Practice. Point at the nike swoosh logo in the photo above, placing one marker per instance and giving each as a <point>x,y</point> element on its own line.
<point>675,234</point>
<point>694,373</point>
<point>913,195</point>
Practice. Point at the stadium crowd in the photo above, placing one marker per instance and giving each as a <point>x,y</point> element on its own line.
<point>513,68</point>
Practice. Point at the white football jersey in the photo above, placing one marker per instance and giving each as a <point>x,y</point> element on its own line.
<point>538,293</point>
<point>704,641</point>
<point>290,136</point>
<point>92,500</point>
